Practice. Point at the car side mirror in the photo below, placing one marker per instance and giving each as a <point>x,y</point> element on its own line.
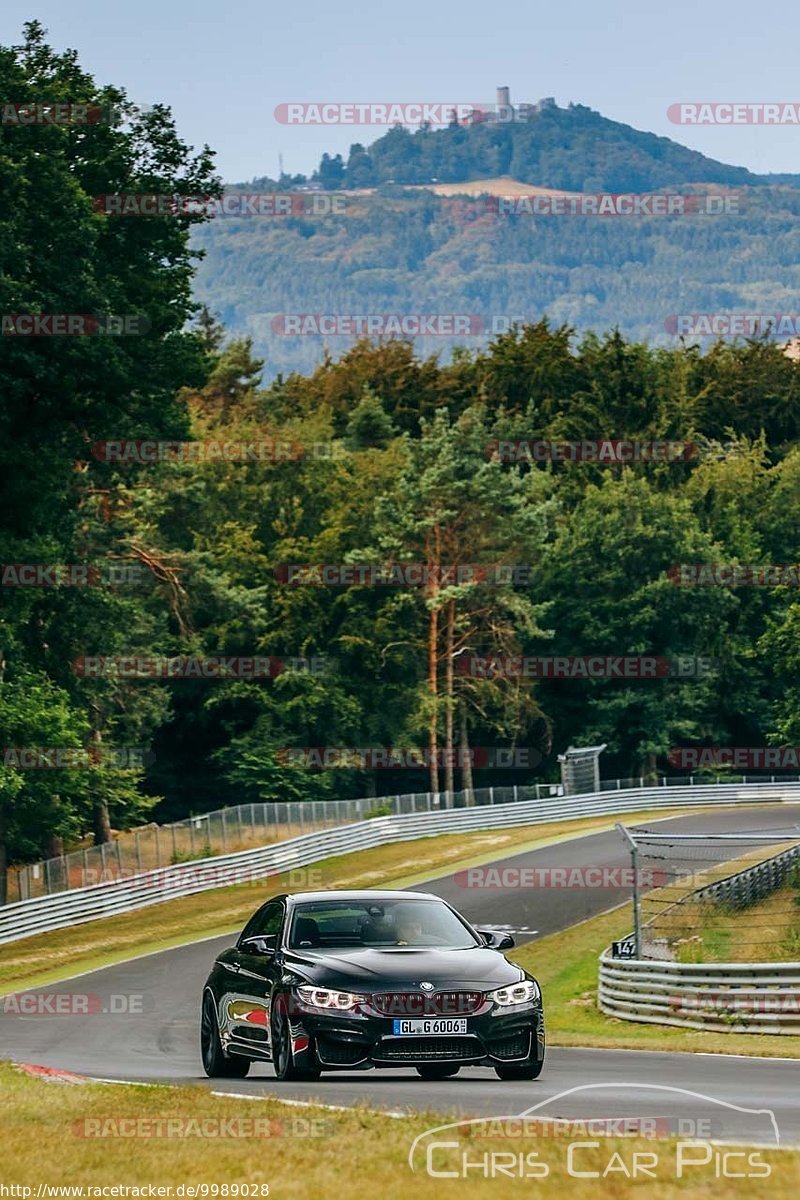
<point>496,940</point>
<point>262,946</point>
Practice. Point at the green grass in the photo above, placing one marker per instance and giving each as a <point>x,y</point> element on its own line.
<point>702,930</point>
<point>351,1152</point>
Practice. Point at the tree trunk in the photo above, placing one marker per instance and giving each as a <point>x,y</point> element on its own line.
<point>448,712</point>
<point>3,863</point>
<point>101,823</point>
<point>466,762</point>
<point>3,848</point>
<point>433,685</point>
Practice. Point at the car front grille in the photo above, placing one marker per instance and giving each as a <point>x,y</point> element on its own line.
<point>427,1049</point>
<point>418,1004</point>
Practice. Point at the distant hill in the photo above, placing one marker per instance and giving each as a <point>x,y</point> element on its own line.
<point>400,248</point>
<point>573,148</point>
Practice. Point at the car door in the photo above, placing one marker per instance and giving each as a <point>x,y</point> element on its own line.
<point>254,973</point>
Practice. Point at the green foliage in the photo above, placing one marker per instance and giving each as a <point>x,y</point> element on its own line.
<point>391,461</point>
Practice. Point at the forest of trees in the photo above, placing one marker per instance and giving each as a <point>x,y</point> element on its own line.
<point>399,468</point>
<point>416,252</point>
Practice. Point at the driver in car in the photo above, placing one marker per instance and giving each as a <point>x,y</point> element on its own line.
<point>409,930</point>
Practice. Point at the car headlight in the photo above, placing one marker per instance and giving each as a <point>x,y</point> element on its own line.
<point>524,992</point>
<point>325,998</point>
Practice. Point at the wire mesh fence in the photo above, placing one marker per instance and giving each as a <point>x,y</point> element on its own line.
<point>716,897</point>
<point>244,826</point>
<point>226,830</point>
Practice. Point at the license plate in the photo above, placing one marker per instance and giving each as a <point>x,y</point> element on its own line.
<point>432,1025</point>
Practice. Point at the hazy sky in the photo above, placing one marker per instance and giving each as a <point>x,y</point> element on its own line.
<point>224,67</point>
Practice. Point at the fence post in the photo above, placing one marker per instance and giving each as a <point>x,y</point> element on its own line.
<point>138,853</point>
<point>224,832</point>
<point>634,849</point>
<point>174,844</point>
<point>119,857</point>
<point>158,849</point>
<point>491,795</point>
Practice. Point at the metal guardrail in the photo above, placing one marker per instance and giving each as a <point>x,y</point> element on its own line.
<point>725,997</point>
<point>226,830</point>
<point>76,906</point>
<point>243,826</point>
<point>753,883</point>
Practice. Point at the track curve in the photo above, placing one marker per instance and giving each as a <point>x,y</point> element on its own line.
<point>149,1029</point>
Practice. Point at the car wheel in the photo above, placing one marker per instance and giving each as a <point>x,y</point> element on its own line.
<point>215,1062</point>
<point>531,1068</point>
<point>283,1057</point>
<point>438,1070</point>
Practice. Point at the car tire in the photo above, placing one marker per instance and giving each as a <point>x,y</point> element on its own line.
<point>438,1070</point>
<point>216,1063</point>
<point>283,1059</point>
<point>530,1068</point>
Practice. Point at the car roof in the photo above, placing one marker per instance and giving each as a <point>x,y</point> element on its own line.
<point>360,894</point>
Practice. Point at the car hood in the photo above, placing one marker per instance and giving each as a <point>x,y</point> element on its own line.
<point>475,968</point>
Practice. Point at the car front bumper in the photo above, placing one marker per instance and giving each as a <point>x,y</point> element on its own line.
<point>345,1042</point>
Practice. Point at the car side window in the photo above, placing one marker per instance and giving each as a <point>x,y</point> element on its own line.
<point>268,919</point>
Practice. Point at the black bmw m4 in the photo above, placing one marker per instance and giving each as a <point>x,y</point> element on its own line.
<point>345,981</point>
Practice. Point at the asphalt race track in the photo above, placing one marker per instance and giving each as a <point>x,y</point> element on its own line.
<point>160,1042</point>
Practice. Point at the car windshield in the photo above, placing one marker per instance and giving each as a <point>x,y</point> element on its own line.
<point>418,924</point>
